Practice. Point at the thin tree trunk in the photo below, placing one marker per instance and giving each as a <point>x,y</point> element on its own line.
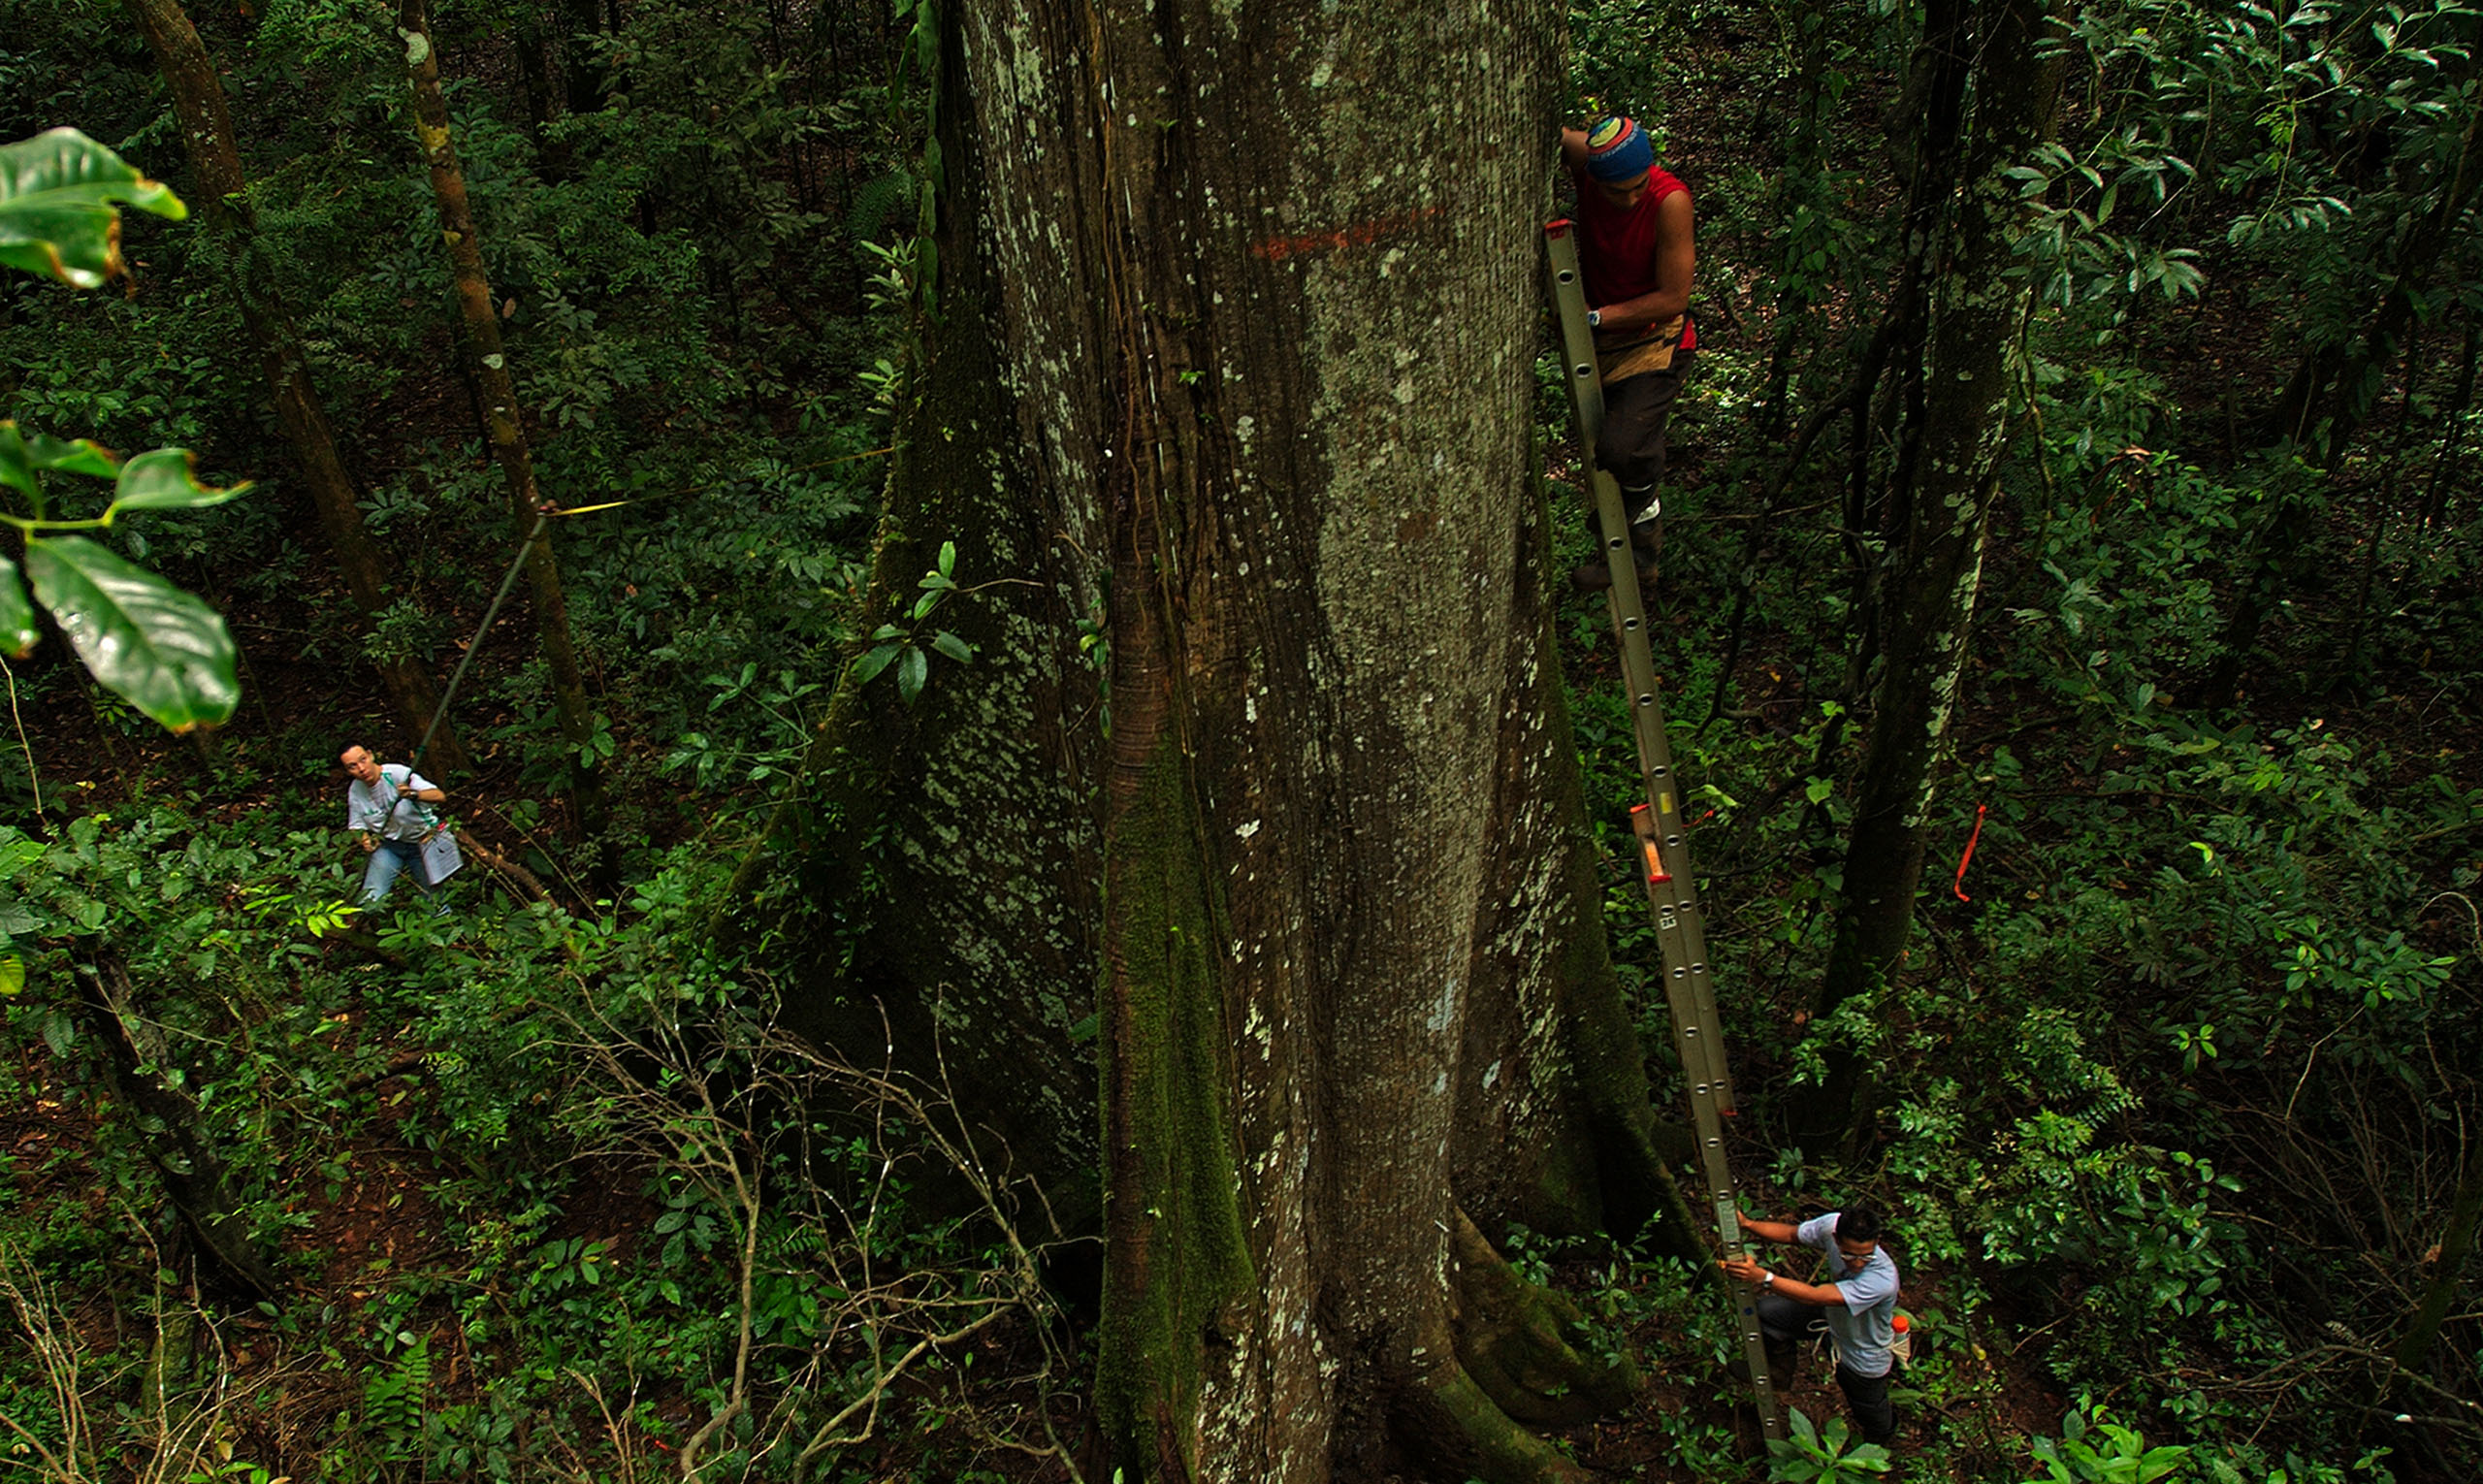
<point>1960,430</point>
<point>545,103</point>
<point>1935,90</point>
<point>580,70</point>
<point>2457,1244</point>
<point>1799,286</point>
<point>206,129</point>
<point>170,1128</point>
<point>2270,555</point>
<point>2322,407</point>
<point>2326,398</point>
<point>489,364</point>
<point>2453,426</point>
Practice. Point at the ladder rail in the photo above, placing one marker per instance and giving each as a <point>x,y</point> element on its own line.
<point>1664,845</point>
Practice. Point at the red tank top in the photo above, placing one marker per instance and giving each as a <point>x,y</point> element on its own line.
<point>1617,255</point>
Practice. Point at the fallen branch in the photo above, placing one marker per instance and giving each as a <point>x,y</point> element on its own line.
<point>528,884</point>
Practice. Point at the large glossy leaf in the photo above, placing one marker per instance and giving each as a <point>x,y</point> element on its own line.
<point>18,633</point>
<point>165,479</point>
<point>57,194</point>
<point>164,651</point>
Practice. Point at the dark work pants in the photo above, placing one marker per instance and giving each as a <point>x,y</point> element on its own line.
<point>1636,412</point>
<point>1785,1325</point>
<point>1867,1398</point>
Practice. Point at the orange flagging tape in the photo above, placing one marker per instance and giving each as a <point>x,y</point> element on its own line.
<point>1965,859</point>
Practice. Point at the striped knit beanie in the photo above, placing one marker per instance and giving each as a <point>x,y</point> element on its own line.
<point>1617,149</point>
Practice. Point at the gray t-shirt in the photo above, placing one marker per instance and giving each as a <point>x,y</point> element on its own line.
<point>1864,1325</point>
<point>368,805</point>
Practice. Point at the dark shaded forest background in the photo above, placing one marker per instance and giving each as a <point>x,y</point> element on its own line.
<point>2172,1098</point>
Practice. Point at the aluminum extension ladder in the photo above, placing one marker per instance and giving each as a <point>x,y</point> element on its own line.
<point>1672,892</point>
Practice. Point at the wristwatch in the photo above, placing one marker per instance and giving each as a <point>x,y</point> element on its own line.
<point>1594,319</point>
<point>1768,1280</point>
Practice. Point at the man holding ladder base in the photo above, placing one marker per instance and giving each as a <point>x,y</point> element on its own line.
<point>1858,1302</point>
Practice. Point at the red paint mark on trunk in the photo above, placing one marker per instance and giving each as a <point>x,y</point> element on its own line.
<point>1275,249</point>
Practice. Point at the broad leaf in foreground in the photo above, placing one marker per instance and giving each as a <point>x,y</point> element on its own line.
<point>57,192</point>
<point>165,652</point>
<point>17,633</point>
<point>165,479</point>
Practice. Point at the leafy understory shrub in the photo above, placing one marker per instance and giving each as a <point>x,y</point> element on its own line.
<point>1817,1456</point>
<point>2094,1449</point>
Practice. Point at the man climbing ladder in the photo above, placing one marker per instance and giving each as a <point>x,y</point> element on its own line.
<point>1671,895</point>
<point>1637,256</point>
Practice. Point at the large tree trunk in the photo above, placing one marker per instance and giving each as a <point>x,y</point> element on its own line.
<point>1957,426</point>
<point>207,128</point>
<point>1269,296</point>
<point>940,861</point>
<point>1238,329</point>
<point>503,424</point>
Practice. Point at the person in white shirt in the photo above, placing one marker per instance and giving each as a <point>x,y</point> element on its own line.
<point>1858,1302</point>
<point>391,806</point>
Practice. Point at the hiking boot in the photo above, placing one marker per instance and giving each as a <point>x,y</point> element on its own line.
<point>1647,534</point>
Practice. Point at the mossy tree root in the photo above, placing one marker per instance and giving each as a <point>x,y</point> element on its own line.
<point>1516,1340</point>
<point>1461,1433</point>
<point>1511,1367</point>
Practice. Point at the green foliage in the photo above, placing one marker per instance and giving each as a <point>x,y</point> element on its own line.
<point>2094,1449</point>
<point>394,1401</point>
<point>903,645</point>
<point>143,638</point>
<point>1813,1456</point>
<point>2081,259</point>
<point>779,699</point>
<point>567,1064</point>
